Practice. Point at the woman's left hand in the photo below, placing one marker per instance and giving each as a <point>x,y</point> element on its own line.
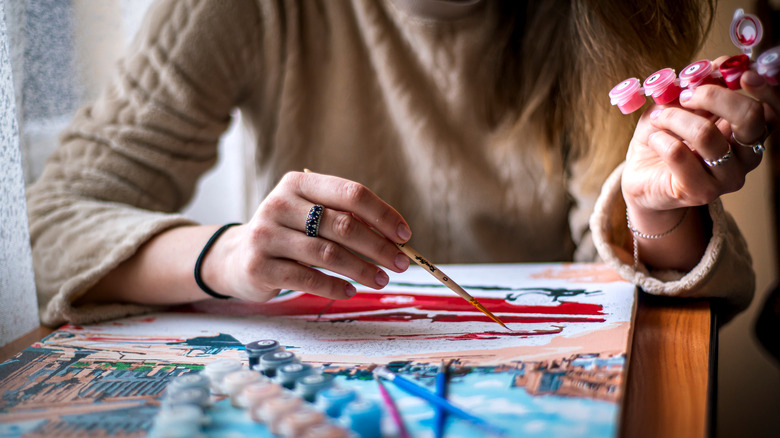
<point>690,154</point>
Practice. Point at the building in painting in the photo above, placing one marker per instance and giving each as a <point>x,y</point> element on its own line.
<point>590,376</point>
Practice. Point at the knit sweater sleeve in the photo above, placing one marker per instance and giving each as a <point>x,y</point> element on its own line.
<point>131,159</point>
<point>724,273</point>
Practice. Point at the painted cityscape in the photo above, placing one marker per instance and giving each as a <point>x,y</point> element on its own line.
<point>558,372</point>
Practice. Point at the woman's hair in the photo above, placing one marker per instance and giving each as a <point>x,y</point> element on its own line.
<point>560,58</point>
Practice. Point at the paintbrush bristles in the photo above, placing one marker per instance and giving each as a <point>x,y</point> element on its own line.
<point>487,312</point>
<point>445,280</point>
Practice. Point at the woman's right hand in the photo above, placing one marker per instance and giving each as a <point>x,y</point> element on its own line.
<point>256,260</point>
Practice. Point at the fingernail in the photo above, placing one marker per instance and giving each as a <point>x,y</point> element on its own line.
<point>650,137</point>
<point>401,261</point>
<point>686,95</point>
<point>404,232</point>
<point>381,278</point>
<point>654,115</point>
<point>753,79</point>
<point>350,290</point>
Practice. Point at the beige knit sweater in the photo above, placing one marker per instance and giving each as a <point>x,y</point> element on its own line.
<point>381,92</point>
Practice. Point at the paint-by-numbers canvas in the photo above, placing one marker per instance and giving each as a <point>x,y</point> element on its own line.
<point>558,371</point>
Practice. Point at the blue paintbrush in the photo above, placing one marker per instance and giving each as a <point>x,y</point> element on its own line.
<point>436,400</point>
<point>440,415</point>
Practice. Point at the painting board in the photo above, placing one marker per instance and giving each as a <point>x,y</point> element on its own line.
<point>559,371</point>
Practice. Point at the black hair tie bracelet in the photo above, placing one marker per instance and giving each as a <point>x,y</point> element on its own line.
<point>202,255</point>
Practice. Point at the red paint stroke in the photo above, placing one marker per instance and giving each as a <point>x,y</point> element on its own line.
<point>455,336</point>
<point>404,307</point>
<point>407,316</point>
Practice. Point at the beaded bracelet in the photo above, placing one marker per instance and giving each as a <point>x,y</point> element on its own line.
<point>199,262</point>
<point>636,233</point>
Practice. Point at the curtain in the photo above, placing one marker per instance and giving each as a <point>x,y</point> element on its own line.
<point>18,313</point>
<point>62,54</point>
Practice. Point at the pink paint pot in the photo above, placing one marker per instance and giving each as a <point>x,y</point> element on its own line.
<point>732,70</point>
<point>768,65</point>
<point>662,86</point>
<point>699,73</point>
<point>627,95</point>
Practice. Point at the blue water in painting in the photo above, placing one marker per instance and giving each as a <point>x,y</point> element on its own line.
<point>490,396</point>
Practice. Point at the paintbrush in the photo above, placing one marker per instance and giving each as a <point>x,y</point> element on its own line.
<point>445,280</point>
<point>395,414</point>
<point>440,415</point>
<point>436,400</point>
<point>436,272</point>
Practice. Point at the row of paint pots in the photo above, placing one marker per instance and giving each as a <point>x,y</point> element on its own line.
<point>665,87</point>
<point>292,399</point>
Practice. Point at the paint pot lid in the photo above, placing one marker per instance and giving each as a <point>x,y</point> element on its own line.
<point>337,394</point>
<point>769,61</point>
<point>191,380</point>
<point>221,367</point>
<point>290,372</point>
<point>658,81</point>
<point>624,91</point>
<point>745,31</point>
<point>188,396</point>
<point>295,368</point>
<point>257,392</point>
<point>238,380</point>
<point>276,359</point>
<point>313,383</point>
<point>695,72</point>
<point>258,348</point>
<point>362,408</point>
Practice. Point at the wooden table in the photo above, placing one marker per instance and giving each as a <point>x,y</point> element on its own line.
<point>671,372</point>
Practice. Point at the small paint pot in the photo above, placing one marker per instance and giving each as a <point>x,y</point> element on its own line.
<point>286,375</point>
<point>326,430</point>
<point>255,350</point>
<point>745,31</point>
<point>199,397</point>
<point>699,73</point>
<point>363,417</point>
<point>178,421</point>
<point>217,370</point>
<point>662,86</point>
<point>270,362</point>
<point>768,65</point>
<point>272,411</point>
<point>732,70</point>
<point>191,380</point>
<point>295,423</point>
<point>257,393</point>
<point>235,382</point>
<point>309,386</point>
<point>627,95</point>
<point>333,400</point>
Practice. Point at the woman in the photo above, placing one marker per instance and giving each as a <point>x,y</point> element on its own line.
<point>483,126</point>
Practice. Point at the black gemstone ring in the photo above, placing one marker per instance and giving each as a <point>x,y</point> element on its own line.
<point>313,220</point>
